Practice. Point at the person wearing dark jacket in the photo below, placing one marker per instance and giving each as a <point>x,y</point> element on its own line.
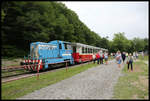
<point>97,58</point>
<point>101,57</point>
<point>123,56</point>
<point>130,61</point>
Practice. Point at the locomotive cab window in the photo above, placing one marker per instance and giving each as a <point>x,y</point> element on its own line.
<point>60,46</point>
<point>67,46</point>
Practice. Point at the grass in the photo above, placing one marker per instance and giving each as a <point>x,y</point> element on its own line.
<point>130,86</point>
<point>143,59</point>
<point>18,88</point>
<point>110,58</point>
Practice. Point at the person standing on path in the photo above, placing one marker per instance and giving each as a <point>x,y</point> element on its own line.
<point>98,58</point>
<point>142,55</point>
<point>118,58</point>
<point>138,55</point>
<point>94,58</point>
<point>111,55</point>
<point>130,61</point>
<point>106,58</point>
<point>101,57</point>
<point>126,54</point>
<point>134,56</point>
<point>123,56</point>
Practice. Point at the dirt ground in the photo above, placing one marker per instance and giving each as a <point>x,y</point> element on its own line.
<point>136,68</point>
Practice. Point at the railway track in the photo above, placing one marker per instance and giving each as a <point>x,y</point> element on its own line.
<point>12,67</point>
<point>30,74</point>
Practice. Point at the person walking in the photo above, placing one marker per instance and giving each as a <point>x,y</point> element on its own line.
<point>118,58</point>
<point>101,57</point>
<point>106,58</point>
<point>130,61</point>
<point>142,55</point>
<point>138,55</point>
<point>123,56</point>
<point>134,56</point>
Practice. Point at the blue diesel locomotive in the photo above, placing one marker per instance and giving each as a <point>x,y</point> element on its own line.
<point>42,54</point>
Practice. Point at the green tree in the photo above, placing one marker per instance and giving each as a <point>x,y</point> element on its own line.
<point>120,42</point>
<point>138,44</point>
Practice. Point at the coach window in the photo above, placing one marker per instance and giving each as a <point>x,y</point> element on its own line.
<point>85,50</point>
<point>82,49</point>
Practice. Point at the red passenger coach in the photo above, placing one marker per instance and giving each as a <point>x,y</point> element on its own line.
<point>83,53</point>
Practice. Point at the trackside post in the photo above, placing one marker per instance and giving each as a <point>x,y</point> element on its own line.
<point>38,70</point>
<point>37,73</point>
<point>66,66</point>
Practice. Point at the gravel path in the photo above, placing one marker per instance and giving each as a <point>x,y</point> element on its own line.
<point>94,83</point>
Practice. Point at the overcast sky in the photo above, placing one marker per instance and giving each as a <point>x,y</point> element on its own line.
<point>107,18</point>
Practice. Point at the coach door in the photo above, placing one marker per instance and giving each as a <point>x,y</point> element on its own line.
<point>74,49</point>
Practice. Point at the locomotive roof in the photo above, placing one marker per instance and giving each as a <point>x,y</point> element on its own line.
<point>59,41</point>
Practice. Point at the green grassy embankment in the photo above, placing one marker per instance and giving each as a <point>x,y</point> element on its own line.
<point>18,88</point>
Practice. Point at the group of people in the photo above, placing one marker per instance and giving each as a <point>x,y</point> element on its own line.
<point>100,57</point>
<point>123,56</point>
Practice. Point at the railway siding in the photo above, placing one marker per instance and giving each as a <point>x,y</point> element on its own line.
<point>94,83</point>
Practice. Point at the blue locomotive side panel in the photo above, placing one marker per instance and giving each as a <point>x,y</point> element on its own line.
<point>52,52</point>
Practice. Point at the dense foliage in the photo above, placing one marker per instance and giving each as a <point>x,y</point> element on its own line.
<point>26,22</point>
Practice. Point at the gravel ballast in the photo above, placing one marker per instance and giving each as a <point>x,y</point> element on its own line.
<point>94,83</point>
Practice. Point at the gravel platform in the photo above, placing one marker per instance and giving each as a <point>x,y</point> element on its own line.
<point>94,83</point>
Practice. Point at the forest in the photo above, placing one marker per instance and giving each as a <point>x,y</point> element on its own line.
<point>23,22</point>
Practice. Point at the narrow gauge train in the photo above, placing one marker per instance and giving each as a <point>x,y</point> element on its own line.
<point>44,54</point>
